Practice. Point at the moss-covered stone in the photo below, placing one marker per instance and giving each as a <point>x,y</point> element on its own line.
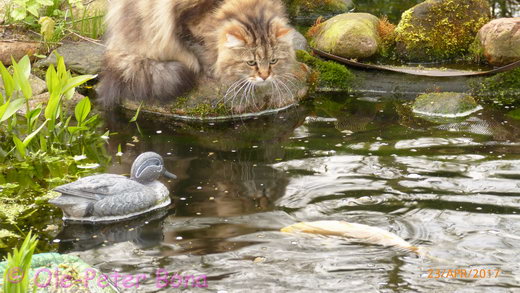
<point>349,35</point>
<point>445,104</point>
<point>330,75</point>
<point>502,89</point>
<point>440,29</point>
<point>212,98</point>
<point>309,8</point>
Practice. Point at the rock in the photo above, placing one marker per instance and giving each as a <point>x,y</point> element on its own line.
<point>305,9</point>
<point>81,57</point>
<point>499,41</point>
<point>300,42</point>
<point>440,29</point>
<point>16,49</point>
<point>38,85</point>
<point>213,99</point>
<point>349,35</point>
<point>448,105</point>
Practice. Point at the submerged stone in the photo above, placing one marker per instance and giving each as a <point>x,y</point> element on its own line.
<point>349,35</point>
<point>448,105</point>
<point>440,29</point>
<point>499,41</point>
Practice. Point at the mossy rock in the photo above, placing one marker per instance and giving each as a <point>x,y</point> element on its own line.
<point>299,9</point>
<point>212,100</point>
<point>327,75</point>
<point>349,35</point>
<point>440,29</point>
<point>67,266</point>
<point>448,105</point>
<point>502,89</point>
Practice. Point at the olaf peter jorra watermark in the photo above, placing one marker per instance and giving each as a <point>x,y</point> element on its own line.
<point>48,278</point>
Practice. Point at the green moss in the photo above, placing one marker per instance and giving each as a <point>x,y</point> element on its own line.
<point>207,110</point>
<point>515,114</point>
<point>180,103</point>
<point>330,74</point>
<point>447,30</point>
<point>476,51</point>
<point>501,89</point>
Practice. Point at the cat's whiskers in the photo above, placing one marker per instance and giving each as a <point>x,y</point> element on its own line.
<point>246,83</point>
<point>249,95</point>
<point>253,96</point>
<point>242,97</point>
<point>232,88</point>
<point>285,88</point>
<point>279,92</point>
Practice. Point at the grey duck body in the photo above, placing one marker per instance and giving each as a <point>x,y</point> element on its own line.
<point>110,197</point>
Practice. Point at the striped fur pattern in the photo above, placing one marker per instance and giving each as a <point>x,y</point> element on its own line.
<point>158,49</point>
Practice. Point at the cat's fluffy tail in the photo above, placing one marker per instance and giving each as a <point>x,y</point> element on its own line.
<point>128,76</point>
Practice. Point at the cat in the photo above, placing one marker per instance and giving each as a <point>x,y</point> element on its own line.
<point>158,49</point>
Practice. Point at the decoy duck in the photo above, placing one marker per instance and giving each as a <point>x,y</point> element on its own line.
<point>110,197</point>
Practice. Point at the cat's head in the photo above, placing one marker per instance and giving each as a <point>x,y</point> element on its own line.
<point>256,51</point>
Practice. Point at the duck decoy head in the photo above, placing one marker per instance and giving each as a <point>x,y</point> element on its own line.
<point>148,167</point>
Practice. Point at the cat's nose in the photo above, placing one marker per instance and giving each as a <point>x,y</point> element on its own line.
<point>264,76</point>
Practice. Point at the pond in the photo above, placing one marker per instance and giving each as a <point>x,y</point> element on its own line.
<point>449,187</point>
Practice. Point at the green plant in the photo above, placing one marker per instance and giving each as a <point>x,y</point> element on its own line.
<point>502,89</point>
<point>16,275</point>
<point>55,18</point>
<point>53,130</point>
<point>42,147</point>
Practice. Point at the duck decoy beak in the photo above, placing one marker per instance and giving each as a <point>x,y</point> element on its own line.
<point>169,175</point>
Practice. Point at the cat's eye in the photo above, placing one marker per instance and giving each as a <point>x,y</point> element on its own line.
<point>251,63</point>
<point>273,61</point>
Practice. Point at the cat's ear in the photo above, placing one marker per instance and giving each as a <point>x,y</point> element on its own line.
<point>234,40</point>
<point>282,31</point>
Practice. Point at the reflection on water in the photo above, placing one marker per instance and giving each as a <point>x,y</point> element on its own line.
<point>449,186</point>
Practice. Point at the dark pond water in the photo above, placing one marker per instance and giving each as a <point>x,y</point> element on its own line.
<point>451,187</point>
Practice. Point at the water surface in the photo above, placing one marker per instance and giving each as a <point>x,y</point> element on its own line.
<point>451,187</point>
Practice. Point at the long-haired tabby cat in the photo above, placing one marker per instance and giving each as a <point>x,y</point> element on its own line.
<point>158,49</point>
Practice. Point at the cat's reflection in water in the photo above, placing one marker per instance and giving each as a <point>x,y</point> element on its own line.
<point>223,171</point>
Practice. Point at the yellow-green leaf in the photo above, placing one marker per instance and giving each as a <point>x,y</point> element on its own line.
<point>47,27</point>
<point>82,110</point>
